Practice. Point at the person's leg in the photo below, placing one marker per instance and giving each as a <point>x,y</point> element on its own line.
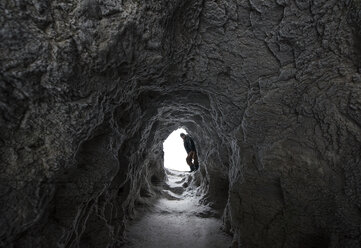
<point>195,158</point>
<point>189,159</point>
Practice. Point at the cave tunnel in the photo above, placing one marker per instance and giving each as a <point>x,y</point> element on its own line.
<point>269,90</point>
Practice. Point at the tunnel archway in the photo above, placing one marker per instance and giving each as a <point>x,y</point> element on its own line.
<point>89,91</point>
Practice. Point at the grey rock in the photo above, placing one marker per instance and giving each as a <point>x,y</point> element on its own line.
<point>270,91</point>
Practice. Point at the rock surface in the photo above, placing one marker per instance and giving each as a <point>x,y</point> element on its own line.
<point>270,90</point>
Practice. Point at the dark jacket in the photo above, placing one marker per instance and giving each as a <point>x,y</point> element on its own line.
<point>189,144</point>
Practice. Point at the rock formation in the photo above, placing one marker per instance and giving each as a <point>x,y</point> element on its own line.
<point>269,89</point>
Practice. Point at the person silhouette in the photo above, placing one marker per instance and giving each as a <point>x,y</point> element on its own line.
<point>192,159</point>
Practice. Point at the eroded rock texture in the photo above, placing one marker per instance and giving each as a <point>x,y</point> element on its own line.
<point>270,90</point>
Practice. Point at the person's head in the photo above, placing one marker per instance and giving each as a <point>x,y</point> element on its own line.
<point>182,135</point>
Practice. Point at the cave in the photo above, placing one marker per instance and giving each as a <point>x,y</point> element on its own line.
<point>270,90</point>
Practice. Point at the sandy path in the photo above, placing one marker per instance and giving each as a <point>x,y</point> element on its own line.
<point>179,222</point>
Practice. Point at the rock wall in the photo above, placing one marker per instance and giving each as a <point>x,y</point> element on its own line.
<point>270,90</point>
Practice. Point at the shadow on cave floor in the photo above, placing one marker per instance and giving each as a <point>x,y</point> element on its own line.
<point>178,219</point>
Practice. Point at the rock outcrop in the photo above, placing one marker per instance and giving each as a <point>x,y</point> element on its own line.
<point>270,90</point>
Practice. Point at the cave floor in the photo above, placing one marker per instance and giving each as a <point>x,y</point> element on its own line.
<point>177,220</point>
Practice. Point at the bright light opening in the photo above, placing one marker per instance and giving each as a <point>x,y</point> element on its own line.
<point>174,152</point>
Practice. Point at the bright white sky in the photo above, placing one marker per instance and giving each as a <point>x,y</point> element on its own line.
<point>174,152</point>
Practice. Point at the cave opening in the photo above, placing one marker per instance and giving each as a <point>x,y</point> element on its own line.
<point>174,153</point>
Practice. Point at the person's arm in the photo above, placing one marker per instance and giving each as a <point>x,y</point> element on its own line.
<point>186,145</point>
<point>192,145</point>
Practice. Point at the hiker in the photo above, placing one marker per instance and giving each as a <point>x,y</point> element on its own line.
<point>191,152</point>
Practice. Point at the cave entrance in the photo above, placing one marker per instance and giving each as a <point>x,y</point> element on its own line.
<point>174,153</point>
